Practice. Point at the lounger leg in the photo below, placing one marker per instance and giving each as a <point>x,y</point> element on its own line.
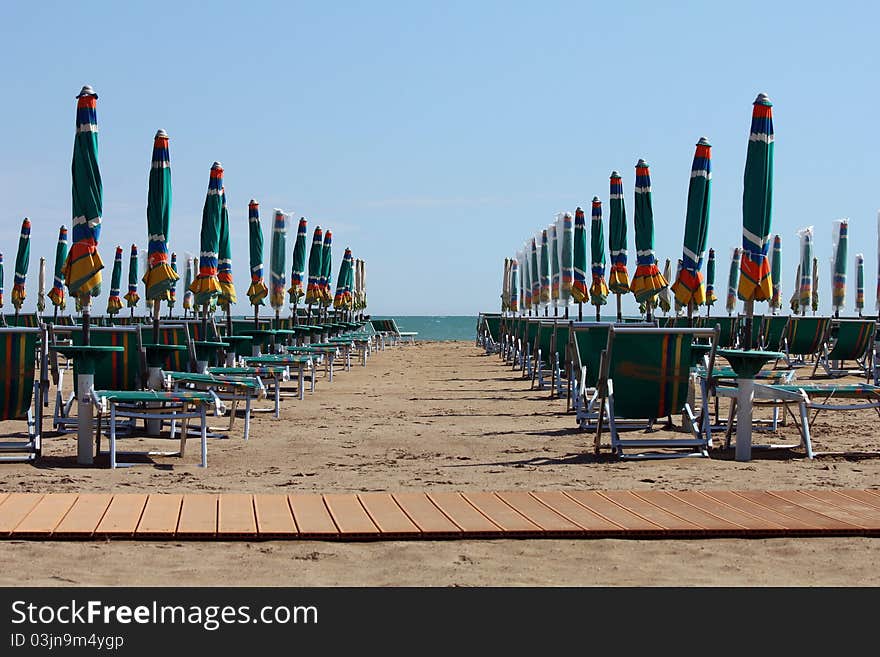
<point>184,430</point>
<point>112,435</point>
<point>247,417</point>
<point>204,436</point>
<point>805,430</point>
<point>301,382</point>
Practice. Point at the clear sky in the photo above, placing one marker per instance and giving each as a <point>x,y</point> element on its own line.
<point>434,137</point>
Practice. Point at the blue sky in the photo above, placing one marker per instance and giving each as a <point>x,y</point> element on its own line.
<point>433,138</point>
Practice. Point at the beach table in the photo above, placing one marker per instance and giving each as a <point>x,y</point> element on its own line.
<point>206,353</point>
<point>157,354</point>
<point>299,361</point>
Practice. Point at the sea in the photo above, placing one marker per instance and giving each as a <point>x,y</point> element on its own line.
<point>436,327</point>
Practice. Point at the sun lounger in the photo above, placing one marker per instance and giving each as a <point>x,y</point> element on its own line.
<point>22,388</point>
<point>848,340</point>
<point>803,338</point>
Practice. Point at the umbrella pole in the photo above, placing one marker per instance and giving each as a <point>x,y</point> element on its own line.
<point>156,311</point>
<point>598,312</point>
<point>690,314</point>
<point>295,314</point>
<point>85,382</point>
<point>256,316</point>
<point>555,310</point>
<point>747,334</point>
<point>619,311</point>
<point>566,311</point>
<point>580,311</point>
<point>649,306</point>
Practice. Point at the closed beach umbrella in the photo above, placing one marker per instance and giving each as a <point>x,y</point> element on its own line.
<point>647,280</point>
<point>326,295</point>
<point>536,276</point>
<point>206,285</point>
<point>1,280</point>
<point>664,296</point>
<point>298,267</point>
<point>776,274</point>
<point>815,296</point>
<point>132,296</point>
<point>527,279</point>
<point>618,278</point>
<point>172,293</point>
<point>566,257</point>
<point>82,268</point>
<point>188,295</point>
<point>257,291</point>
<point>363,284</point>
<point>877,291</point>
<point>555,273</point>
<point>795,301</point>
<point>860,283</point>
<point>313,288</point>
<point>689,288</point>
<point>678,304</point>
<point>341,300</point>
<point>22,262</point>
<point>41,286</point>
<point>114,303</point>
<point>513,304</point>
<point>544,263</point>
<point>278,261</point>
<point>806,283</point>
<point>598,288</point>
<point>56,294</point>
<point>579,291</point>
<point>227,296</point>
<point>732,282</point>
<point>159,277</point>
<point>839,243</point>
<point>505,282</point>
<point>711,298</point>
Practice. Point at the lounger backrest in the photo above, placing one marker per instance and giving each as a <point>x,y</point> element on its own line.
<point>177,361</point>
<point>240,325</point>
<point>61,320</point>
<point>854,337</point>
<point>772,330</point>
<point>18,348</point>
<point>586,345</point>
<point>650,369</point>
<point>120,370</point>
<point>25,320</point>
<point>804,335</point>
<point>560,340</point>
<point>207,334</point>
<point>544,338</point>
<point>727,335</point>
<point>757,325</point>
<point>493,325</point>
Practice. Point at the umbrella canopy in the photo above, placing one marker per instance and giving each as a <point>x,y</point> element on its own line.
<point>114,303</point>
<point>754,279</point>
<point>555,274</point>
<point>132,297</point>
<point>22,261</point>
<point>544,264</point>
<point>505,282</point>
<point>815,296</point>
<point>188,295</point>
<point>313,289</point>
<point>224,258</point>
<point>342,298</point>
<point>513,303</point>
<point>1,280</point>
<point>860,283</point>
<point>172,293</point>
<point>298,268</point>
<point>82,268</point>
<point>363,284</point>
<point>41,286</point>
<point>566,257</point>
<point>678,304</point>
<point>647,280</point>
<point>326,296</point>
<point>776,272</point>
<point>277,260</point>
<point>839,243</point>
<point>711,298</point>
<point>527,277</point>
<point>795,301</point>
<point>536,275</point>
<point>159,277</point>
<point>579,290</point>
<point>618,279</point>
<point>257,292</point>
<point>56,294</point>
<point>599,288</point>
<point>664,296</point>
<point>206,285</point>
<point>688,286</point>
<point>731,281</point>
<point>806,283</point>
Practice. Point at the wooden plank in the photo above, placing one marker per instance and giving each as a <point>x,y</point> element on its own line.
<point>509,520</point>
<point>737,501</point>
<point>812,504</point>
<point>864,496</point>
<point>350,517</point>
<point>198,516</point>
<point>3,496</point>
<point>660,517</point>
<point>388,516</point>
<point>274,517</point>
<point>15,509</point>
<point>540,514</point>
<point>160,517</point>
<point>464,515</point>
<point>614,513</point>
<point>692,514</point>
<point>590,521</point>
<point>45,516</point>
<point>785,507</point>
<point>728,513</point>
<point>84,516</point>
<point>122,515</point>
<point>870,515</point>
<point>312,517</point>
<point>427,517</point>
<point>235,516</point>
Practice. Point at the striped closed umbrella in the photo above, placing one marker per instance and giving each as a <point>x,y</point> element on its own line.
<point>188,295</point>
<point>132,297</point>
<point>257,291</point>
<point>41,286</point>
<point>326,296</point>
<point>1,280</point>
<point>579,291</point>
<point>278,261</point>
<point>544,264</point>
<point>776,274</point>
<point>664,296</point>
<point>711,298</point>
<point>363,284</point>
<point>839,243</point>
<point>206,285</point>
<point>598,288</point>
<point>313,288</point>
<point>298,267</point>
<point>814,300</point>
<point>505,282</point>
<point>860,283</point>
<point>618,277</point>
<point>513,304</point>
<point>555,273</point>
<point>678,304</point>
<point>22,262</point>
<point>731,282</point>
<point>114,303</point>
<point>82,268</point>
<point>647,281</point>
<point>527,278</point>
<point>227,295</point>
<point>806,283</point>
<point>342,298</point>
<point>566,258</point>
<point>56,294</point>
<point>172,293</point>
<point>159,277</point>
<point>536,276</point>
<point>689,288</point>
<point>795,301</point>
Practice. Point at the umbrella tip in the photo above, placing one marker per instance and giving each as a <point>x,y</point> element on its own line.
<point>253,202</point>
<point>87,91</point>
<point>596,199</point>
<point>641,163</point>
<point>703,142</point>
<point>160,133</point>
<point>216,165</point>
<point>614,174</point>
<point>763,99</point>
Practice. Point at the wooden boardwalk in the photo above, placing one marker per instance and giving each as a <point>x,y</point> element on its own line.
<point>441,515</point>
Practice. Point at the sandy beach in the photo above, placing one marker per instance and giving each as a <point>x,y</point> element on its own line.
<point>444,416</point>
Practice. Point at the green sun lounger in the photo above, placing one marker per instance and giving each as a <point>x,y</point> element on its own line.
<point>803,338</point>
<point>849,340</point>
<point>23,385</point>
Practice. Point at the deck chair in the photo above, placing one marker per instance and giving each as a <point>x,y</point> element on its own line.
<point>772,331</point>
<point>849,340</point>
<point>530,333</point>
<point>23,385</point>
<point>541,356</point>
<point>728,327</point>
<point>804,337</point>
<point>558,349</point>
<point>645,375</point>
<point>586,340</point>
<point>491,333</point>
<point>402,336</point>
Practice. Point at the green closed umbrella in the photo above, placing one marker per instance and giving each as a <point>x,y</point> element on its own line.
<point>505,281</point>
<point>206,285</point>
<point>599,288</point>
<point>815,286</point>
<point>342,298</point>
<point>566,258</point>
<point>56,294</point>
<point>1,280</point>
<point>159,277</point>
<point>795,301</point>
<point>277,262</point>
<point>132,297</point>
<point>114,303</point>
<point>513,303</point>
<point>555,278</point>
<point>172,293</point>
<point>313,289</point>
<point>22,262</point>
<point>618,278</point>
<point>257,291</point>
<point>527,279</point>
<point>579,290</point>
<point>188,295</point>
<point>805,286</point>
<point>731,282</point>
<point>860,283</point>
<point>647,281</point>
<point>298,268</point>
<point>536,276</point>
<point>839,245</point>
<point>326,249</point>
<point>711,297</point>
<point>776,274</point>
<point>227,295</point>
<point>544,264</point>
<point>41,286</point>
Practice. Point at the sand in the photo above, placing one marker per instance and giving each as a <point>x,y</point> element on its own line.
<point>445,416</point>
